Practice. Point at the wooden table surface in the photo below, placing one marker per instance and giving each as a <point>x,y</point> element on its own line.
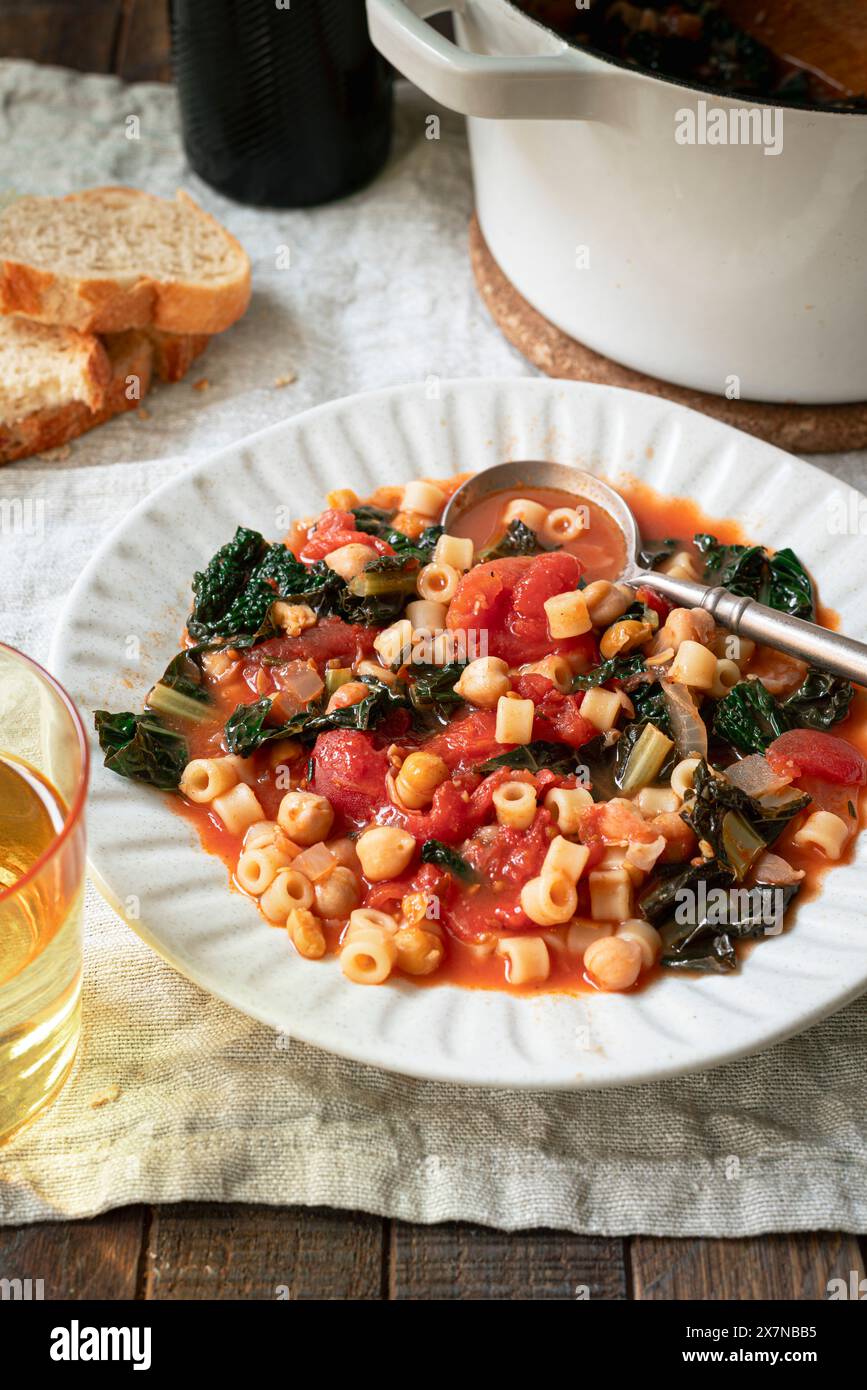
<point>223,1252</point>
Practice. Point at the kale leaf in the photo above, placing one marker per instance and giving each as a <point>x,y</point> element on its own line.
<point>779,580</point>
<point>738,827</point>
<point>141,747</point>
<point>820,702</point>
<point>700,913</point>
<point>750,718</point>
<point>233,593</point>
<point>652,553</point>
<point>432,693</point>
<point>435,852</point>
<point>184,675</point>
<point>377,522</point>
<point>247,727</point>
<point>558,757</point>
<point>650,705</point>
<point>675,902</point>
<point>789,587</point>
<point>371,519</point>
<point>519,539</point>
<point>618,668</point>
<point>405,550</point>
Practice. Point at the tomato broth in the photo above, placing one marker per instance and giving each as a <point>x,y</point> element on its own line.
<point>600,548</point>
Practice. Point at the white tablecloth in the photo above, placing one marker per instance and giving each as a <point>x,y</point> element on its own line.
<point>197,1101</point>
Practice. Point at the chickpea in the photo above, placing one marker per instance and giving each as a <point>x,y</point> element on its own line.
<point>345,853</point>
<point>613,963</point>
<point>483,681</point>
<point>305,817</point>
<point>384,851</point>
<point>623,637</point>
<point>339,894</point>
<point>607,602</point>
<point>684,625</point>
<point>419,776</point>
<point>349,560</point>
<point>680,842</point>
<point>419,952</point>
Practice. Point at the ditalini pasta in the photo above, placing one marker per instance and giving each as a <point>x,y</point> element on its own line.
<point>476,756</point>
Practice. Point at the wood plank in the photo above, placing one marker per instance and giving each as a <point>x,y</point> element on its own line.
<point>77,1259</point>
<point>250,1252</point>
<point>144,43</point>
<point>77,34</point>
<point>458,1261</point>
<point>777,1267</point>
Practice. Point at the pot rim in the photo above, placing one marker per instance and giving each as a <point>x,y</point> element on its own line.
<point>609,60</point>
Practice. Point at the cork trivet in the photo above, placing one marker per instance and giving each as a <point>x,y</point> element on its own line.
<point>805,429</point>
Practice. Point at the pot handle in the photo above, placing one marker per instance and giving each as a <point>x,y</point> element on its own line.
<point>475,84</point>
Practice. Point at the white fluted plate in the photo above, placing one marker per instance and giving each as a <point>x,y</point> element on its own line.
<point>137,585</point>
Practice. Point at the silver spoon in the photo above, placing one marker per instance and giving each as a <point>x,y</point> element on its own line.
<point>830,651</point>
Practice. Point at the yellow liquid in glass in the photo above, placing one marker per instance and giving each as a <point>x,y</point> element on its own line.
<point>40,927</point>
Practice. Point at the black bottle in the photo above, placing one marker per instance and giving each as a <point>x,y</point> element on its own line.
<point>284,103</point>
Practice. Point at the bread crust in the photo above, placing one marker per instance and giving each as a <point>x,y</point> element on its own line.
<point>107,305</point>
<point>120,357</point>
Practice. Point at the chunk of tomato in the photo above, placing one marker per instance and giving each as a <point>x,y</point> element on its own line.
<point>811,753</point>
<point>559,718</point>
<point>329,639</point>
<point>506,859</point>
<point>334,529</point>
<point>467,740</point>
<point>446,819</point>
<point>506,600</point>
<point>350,771</point>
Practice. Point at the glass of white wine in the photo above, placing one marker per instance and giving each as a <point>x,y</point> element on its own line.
<point>43,782</point>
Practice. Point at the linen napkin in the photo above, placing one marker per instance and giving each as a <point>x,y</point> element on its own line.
<point>175,1096</point>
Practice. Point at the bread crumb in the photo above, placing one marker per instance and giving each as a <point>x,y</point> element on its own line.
<point>202,384</point>
<point>58,455</point>
<point>142,413</point>
<point>286,380</point>
<point>106,1097</point>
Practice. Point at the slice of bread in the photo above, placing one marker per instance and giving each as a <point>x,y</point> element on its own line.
<point>42,368</point>
<point>57,383</point>
<point>110,259</point>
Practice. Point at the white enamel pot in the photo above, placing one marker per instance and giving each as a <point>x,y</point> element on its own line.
<point>715,266</point>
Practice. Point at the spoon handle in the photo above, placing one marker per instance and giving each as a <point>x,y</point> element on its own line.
<point>830,651</point>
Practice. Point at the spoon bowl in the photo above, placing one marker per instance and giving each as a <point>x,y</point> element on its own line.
<point>561,477</point>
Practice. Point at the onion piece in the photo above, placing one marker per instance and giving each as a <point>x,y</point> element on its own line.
<point>773,869</point>
<point>316,862</point>
<point>755,776</point>
<point>299,680</point>
<point>690,734</point>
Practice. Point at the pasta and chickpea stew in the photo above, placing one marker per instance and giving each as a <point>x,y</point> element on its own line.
<point>478,758</point>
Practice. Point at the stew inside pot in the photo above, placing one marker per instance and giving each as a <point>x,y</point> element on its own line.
<point>795,51</point>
